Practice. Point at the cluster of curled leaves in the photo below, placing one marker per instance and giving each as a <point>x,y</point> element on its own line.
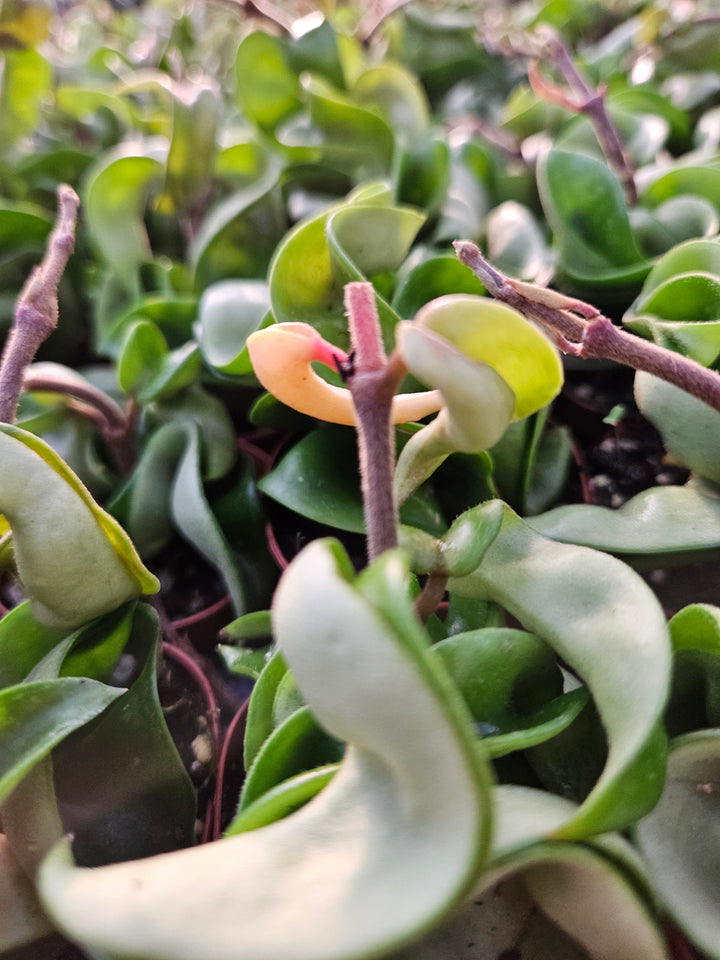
<point>536,768</point>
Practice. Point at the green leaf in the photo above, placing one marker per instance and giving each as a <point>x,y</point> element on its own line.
<point>115,195</point>
<point>432,278</point>
<point>695,695</point>
<point>267,90</point>
<point>701,181</point>
<point>27,81</point>
<point>491,367</point>
<point>400,849</point>
<point>23,917</point>
<point>196,522</point>
<point>394,93</point>
<point>122,789</point>
<point>680,842</point>
<point>24,641</point>
<point>605,622</point>
<point>74,560</point>
<point>351,138</point>
<point>319,479</point>
<point>295,746</point>
<point>229,312</point>
<point>282,800</point>
<point>675,521</point>
<point>690,428</point>
<point>355,240</point>
<point>195,118</point>
<point>141,355</point>
<point>36,716</point>
<point>260,718</point>
<point>238,235</point>
<point>515,242</point>
<point>584,206</point>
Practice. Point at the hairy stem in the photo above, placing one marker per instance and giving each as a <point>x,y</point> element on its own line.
<point>372,381</point>
<point>92,403</point>
<point>36,311</point>
<point>586,99</point>
<point>580,330</point>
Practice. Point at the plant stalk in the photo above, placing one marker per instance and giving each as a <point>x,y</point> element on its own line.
<point>372,381</point>
<point>36,311</point>
<point>580,330</point>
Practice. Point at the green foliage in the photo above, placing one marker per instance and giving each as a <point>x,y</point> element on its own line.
<point>234,179</point>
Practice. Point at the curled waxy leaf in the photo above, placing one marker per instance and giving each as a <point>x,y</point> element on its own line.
<point>461,549</point>
<point>680,842</point>
<point>73,559</point>
<point>606,623</point>
<point>690,428</point>
<point>282,355</point>
<point>491,367</point>
<point>381,854</point>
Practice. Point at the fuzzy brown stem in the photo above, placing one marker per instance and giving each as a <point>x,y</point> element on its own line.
<point>592,103</point>
<point>36,311</point>
<point>372,382</point>
<point>431,595</point>
<point>580,330</point>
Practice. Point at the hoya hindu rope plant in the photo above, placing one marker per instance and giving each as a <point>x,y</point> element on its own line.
<point>338,175</point>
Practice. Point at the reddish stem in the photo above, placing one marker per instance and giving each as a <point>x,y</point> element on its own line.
<point>580,330</point>
<point>372,381</point>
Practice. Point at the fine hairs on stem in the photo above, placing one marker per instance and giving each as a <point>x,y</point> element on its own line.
<point>36,311</point>
<point>580,330</point>
<point>372,380</point>
<point>35,318</point>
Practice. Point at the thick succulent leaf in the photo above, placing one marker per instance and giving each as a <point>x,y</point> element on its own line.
<point>74,560</point>
<point>23,917</point>
<point>695,697</point>
<point>115,195</point>
<point>193,142</point>
<point>699,180</point>
<point>693,256</point>
<point>512,686</point>
<point>663,520</point>
<point>502,673</point>
<point>375,859</point>
<point>24,641</point>
<point>260,718</point>
<point>680,840</point>
<point>394,93</point>
<point>229,312</point>
<point>36,716</point>
<point>238,235</point>
<point>531,463</point>
<point>499,922</point>
<point>605,622</point>
<point>690,428</point>
<point>345,243</point>
<point>27,81</point>
<point>490,365</point>
<point>121,787</point>
<point>516,244</point>
<point>281,800</point>
<point>316,479</point>
<point>596,892</point>
<point>492,333</point>
<point>461,549</point>
<point>267,90</point>
<point>584,205</point>
<point>432,278</point>
<point>193,517</point>
<point>352,138</point>
<point>282,358</point>
<point>295,746</point>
